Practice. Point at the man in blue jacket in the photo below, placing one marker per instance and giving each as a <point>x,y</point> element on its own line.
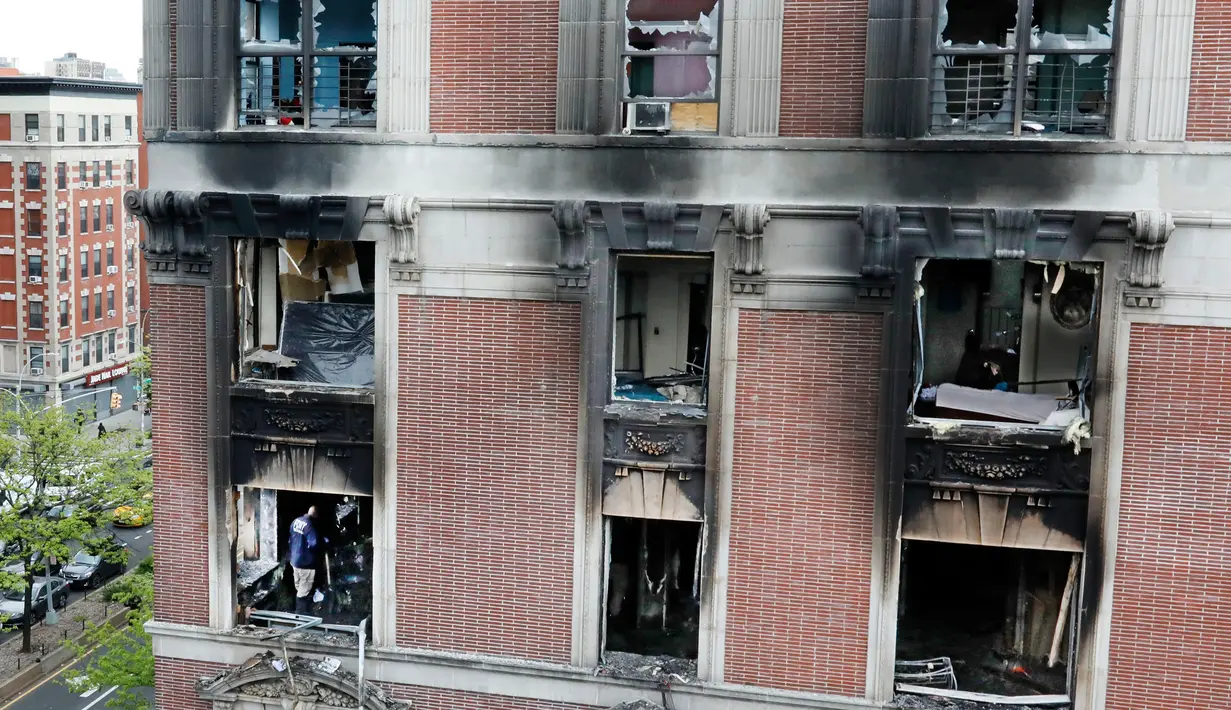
<point>304,546</point>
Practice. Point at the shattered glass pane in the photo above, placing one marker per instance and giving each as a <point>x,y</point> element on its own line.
<point>1083,25</point>
<point>1068,93</point>
<point>266,22</point>
<point>986,24</point>
<point>344,24</point>
<point>972,94</point>
<point>343,91</point>
<point>271,91</point>
<point>655,25</point>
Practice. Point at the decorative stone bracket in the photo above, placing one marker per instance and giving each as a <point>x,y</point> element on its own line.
<point>572,266</point>
<point>402,213</point>
<point>749,222</point>
<point>881,225</point>
<point>1150,233</point>
<point>175,245</point>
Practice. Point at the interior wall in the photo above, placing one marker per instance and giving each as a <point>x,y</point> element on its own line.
<point>1049,350</point>
<point>666,299</point>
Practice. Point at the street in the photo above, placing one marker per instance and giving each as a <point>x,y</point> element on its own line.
<point>53,694</point>
<point>140,541</point>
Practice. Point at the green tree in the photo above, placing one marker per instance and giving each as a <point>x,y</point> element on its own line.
<point>122,656</point>
<point>143,371</point>
<point>56,489</point>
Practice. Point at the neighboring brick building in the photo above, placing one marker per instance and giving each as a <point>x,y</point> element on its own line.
<point>71,272</point>
<point>799,347</point>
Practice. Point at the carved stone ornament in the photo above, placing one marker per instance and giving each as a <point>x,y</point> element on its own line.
<point>995,468</point>
<point>880,225</point>
<point>573,270</point>
<point>402,213</point>
<point>304,421</point>
<point>1010,230</point>
<point>749,222</point>
<point>175,229</point>
<point>638,442</point>
<point>660,220</point>
<point>267,681</point>
<point>1151,231</point>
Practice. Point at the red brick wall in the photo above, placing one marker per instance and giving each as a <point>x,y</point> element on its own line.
<point>181,480</point>
<point>803,481</point>
<point>1171,610</point>
<point>823,52</point>
<point>422,698</point>
<point>175,683</point>
<point>488,396</point>
<point>1209,100</point>
<point>494,66</point>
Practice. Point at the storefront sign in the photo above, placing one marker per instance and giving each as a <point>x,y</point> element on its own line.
<point>97,378</point>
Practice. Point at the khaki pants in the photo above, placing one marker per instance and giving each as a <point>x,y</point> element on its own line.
<point>304,579</point>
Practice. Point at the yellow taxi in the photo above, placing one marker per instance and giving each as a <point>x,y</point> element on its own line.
<point>133,516</point>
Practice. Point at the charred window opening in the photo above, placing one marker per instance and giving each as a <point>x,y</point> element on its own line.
<point>653,602</point>
<point>985,80</point>
<point>306,311</point>
<point>986,622</point>
<point>341,56</point>
<point>670,62</point>
<point>662,328</point>
<point>1006,342</point>
<point>341,586</point>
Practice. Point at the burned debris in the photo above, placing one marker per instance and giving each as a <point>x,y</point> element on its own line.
<point>1031,67</point>
<point>341,590</point>
<point>992,624</point>
<point>1006,343</point>
<point>662,349</point>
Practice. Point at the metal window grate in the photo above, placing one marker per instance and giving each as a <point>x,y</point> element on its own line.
<point>1068,93</point>
<point>343,91</point>
<point>271,91</point>
<point>972,94</point>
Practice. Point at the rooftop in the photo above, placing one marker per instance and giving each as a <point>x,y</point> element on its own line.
<point>54,86</point>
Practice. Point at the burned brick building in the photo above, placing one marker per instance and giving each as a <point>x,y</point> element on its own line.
<point>748,354</point>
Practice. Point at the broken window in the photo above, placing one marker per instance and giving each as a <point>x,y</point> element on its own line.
<point>1006,342</point>
<point>340,56</point>
<point>986,81</point>
<point>662,327</point>
<point>670,64</point>
<point>341,588</point>
<point>306,311</point>
<point>653,597</point>
<point>980,623</point>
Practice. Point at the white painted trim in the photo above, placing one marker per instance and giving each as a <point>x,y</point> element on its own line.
<point>384,496</point>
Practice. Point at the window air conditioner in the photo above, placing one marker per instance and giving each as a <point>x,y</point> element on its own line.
<point>132,309</point>
<point>113,269</point>
<point>36,371</point>
<point>36,279</point>
<point>111,314</point>
<point>107,138</point>
<point>648,117</point>
<point>31,139</point>
<point>111,228</point>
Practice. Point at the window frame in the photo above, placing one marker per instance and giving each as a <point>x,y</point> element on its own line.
<point>107,127</point>
<point>305,51</point>
<point>131,296</point>
<point>42,353</point>
<point>132,339</point>
<point>97,171</point>
<point>98,259</point>
<point>34,262</point>
<point>1021,54</point>
<point>61,123</point>
<point>37,321</point>
<point>110,299</point>
<point>109,209</point>
<point>85,309</point>
<point>63,266</point>
<point>83,221</point>
<point>85,351</point>
<point>624,63</point>
<point>61,221</point>
<point>94,128</point>
<point>34,222</point>
<point>61,176</point>
<point>32,170</point>
<point>32,130</point>
<point>81,129</point>
<point>98,350</point>
<point>66,362</point>
<point>97,216</point>
<point>98,306</point>
<point>128,128</point>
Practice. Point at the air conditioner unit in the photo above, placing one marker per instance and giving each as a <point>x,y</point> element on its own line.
<point>113,269</point>
<point>648,117</point>
<point>111,228</point>
<point>36,371</point>
<point>107,138</point>
<point>111,314</point>
<point>36,279</point>
<point>31,139</point>
<point>132,309</point>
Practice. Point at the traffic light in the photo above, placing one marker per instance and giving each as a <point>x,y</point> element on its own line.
<point>117,400</point>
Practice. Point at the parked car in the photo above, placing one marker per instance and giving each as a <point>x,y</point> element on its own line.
<point>134,516</point>
<point>36,558</point>
<point>13,603</point>
<point>87,571</point>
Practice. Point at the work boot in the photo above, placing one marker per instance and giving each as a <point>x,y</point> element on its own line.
<point>303,605</point>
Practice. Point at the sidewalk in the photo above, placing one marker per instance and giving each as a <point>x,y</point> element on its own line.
<point>46,640</point>
<point>128,419</point>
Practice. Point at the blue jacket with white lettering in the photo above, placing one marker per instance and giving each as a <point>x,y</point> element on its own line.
<point>303,543</point>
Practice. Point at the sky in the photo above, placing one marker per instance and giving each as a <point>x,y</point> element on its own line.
<point>37,31</point>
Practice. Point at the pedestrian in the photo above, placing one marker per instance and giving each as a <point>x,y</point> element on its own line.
<point>304,544</point>
<point>102,430</point>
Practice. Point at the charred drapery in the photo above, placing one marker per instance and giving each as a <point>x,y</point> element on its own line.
<point>654,587</point>
<point>343,584</point>
<point>1036,67</point>
<point>1002,617</point>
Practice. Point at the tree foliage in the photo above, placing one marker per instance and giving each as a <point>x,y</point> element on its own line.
<point>57,488</point>
<point>142,370</point>
<point>121,656</point>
